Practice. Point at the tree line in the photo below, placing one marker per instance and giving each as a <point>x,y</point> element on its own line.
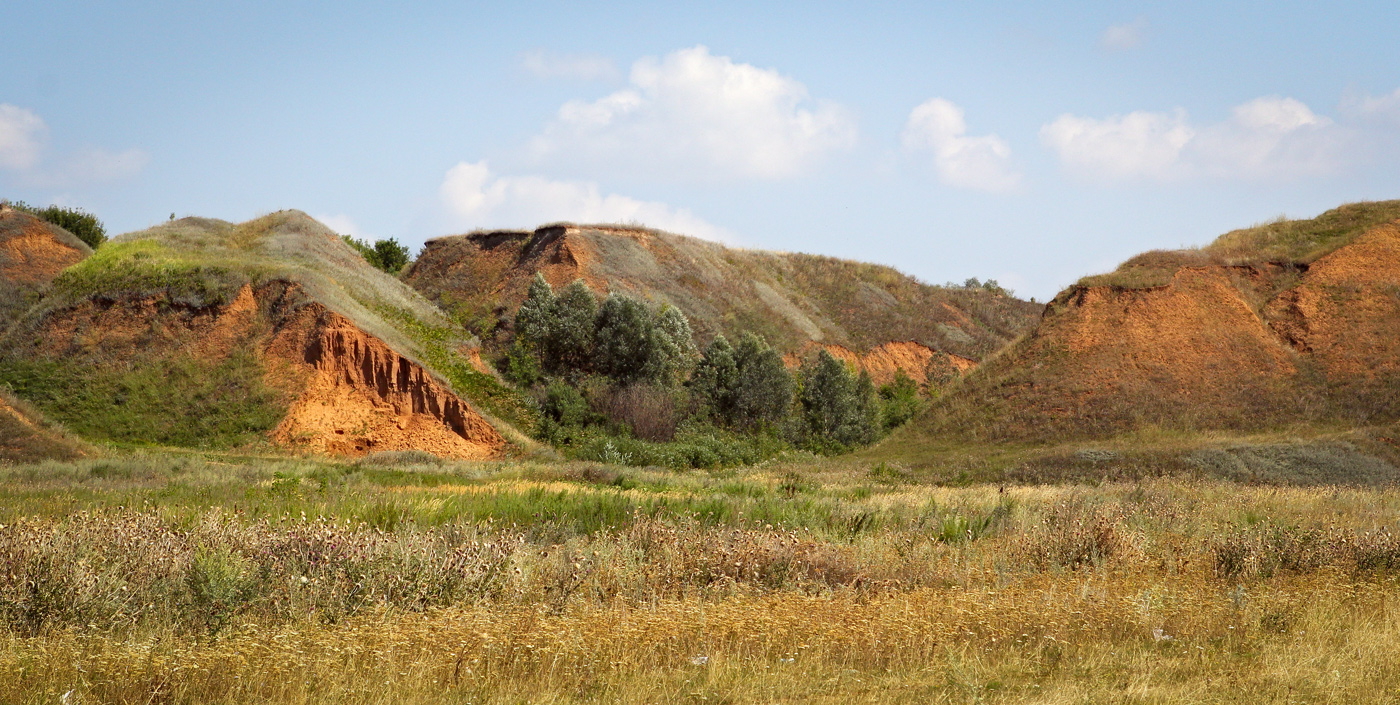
<point>625,366</point>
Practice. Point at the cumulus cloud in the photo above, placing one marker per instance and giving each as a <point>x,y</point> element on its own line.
<point>22,136</point>
<point>584,67</point>
<point>982,163</point>
<point>697,114</point>
<point>1122,37</point>
<point>477,198</point>
<point>1270,137</point>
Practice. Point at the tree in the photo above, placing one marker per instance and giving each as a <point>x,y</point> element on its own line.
<point>568,335</point>
<point>762,392</point>
<point>836,405</point>
<point>673,347</point>
<point>385,255</point>
<point>392,256</point>
<point>532,319</point>
<point>899,400</point>
<point>82,224</point>
<point>624,339</point>
<point>715,378</point>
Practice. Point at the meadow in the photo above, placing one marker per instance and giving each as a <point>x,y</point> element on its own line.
<point>181,577</point>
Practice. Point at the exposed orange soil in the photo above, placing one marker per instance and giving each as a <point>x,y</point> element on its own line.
<point>885,361</point>
<point>1345,311</point>
<point>33,252</point>
<point>352,393</point>
<point>1217,346</point>
<point>361,396</point>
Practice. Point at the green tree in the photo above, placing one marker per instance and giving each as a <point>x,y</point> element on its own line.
<point>836,406</point>
<point>762,392</point>
<point>625,336</point>
<point>392,256</point>
<point>715,377</point>
<point>899,400</point>
<point>82,224</point>
<point>385,255</point>
<point>673,348</point>
<point>533,318</point>
<point>568,334</point>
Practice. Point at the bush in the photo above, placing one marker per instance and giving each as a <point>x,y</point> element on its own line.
<point>386,255</point>
<point>899,401</point>
<point>762,394</point>
<point>649,410</point>
<point>84,225</point>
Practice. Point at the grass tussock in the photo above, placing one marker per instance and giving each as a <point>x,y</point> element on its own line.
<point>185,579</point>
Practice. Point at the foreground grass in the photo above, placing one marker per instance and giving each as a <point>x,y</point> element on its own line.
<point>185,578</point>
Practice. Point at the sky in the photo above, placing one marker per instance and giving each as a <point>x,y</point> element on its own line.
<point>1030,143</point>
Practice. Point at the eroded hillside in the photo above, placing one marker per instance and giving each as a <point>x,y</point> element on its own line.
<point>202,332</point>
<point>32,253</point>
<point>791,299</point>
<point>1294,322</point>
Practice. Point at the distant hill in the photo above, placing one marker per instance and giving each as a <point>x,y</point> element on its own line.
<point>32,253</point>
<point>205,332</point>
<point>1289,323</point>
<point>791,299</point>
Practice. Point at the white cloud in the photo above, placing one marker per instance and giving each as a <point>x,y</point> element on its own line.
<point>585,67</point>
<point>696,114</point>
<point>1132,145</point>
<point>1122,37</point>
<point>970,162</point>
<point>1381,111</point>
<point>21,137</point>
<point>476,198</point>
<point>1266,138</point>
<point>341,224</point>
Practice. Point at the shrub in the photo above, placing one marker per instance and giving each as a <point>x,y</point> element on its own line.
<point>715,379</point>
<point>649,410</point>
<point>899,400</point>
<point>82,224</point>
<point>386,255</point>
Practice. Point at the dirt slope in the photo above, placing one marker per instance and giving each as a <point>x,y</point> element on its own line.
<point>32,253</point>
<point>920,362</point>
<point>792,299</point>
<point>26,436</point>
<point>270,329</point>
<point>1293,322</point>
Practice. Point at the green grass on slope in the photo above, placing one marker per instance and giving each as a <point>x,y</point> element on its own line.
<point>177,401</point>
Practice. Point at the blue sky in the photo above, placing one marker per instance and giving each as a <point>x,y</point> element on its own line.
<point>1030,143</point>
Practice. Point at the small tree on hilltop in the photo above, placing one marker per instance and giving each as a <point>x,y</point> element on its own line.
<point>392,256</point>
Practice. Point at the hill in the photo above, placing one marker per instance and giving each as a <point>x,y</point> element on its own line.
<point>32,253</point>
<point>203,332</point>
<point>791,299</point>
<point>1292,324</point>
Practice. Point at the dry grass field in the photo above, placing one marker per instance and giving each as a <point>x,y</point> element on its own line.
<point>163,577</point>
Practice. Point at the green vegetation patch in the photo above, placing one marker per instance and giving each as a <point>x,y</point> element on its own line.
<point>145,268</point>
<point>178,401</point>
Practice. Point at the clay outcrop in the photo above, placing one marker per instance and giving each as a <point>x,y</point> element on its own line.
<point>883,363</point>
<point>1214,343</point>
